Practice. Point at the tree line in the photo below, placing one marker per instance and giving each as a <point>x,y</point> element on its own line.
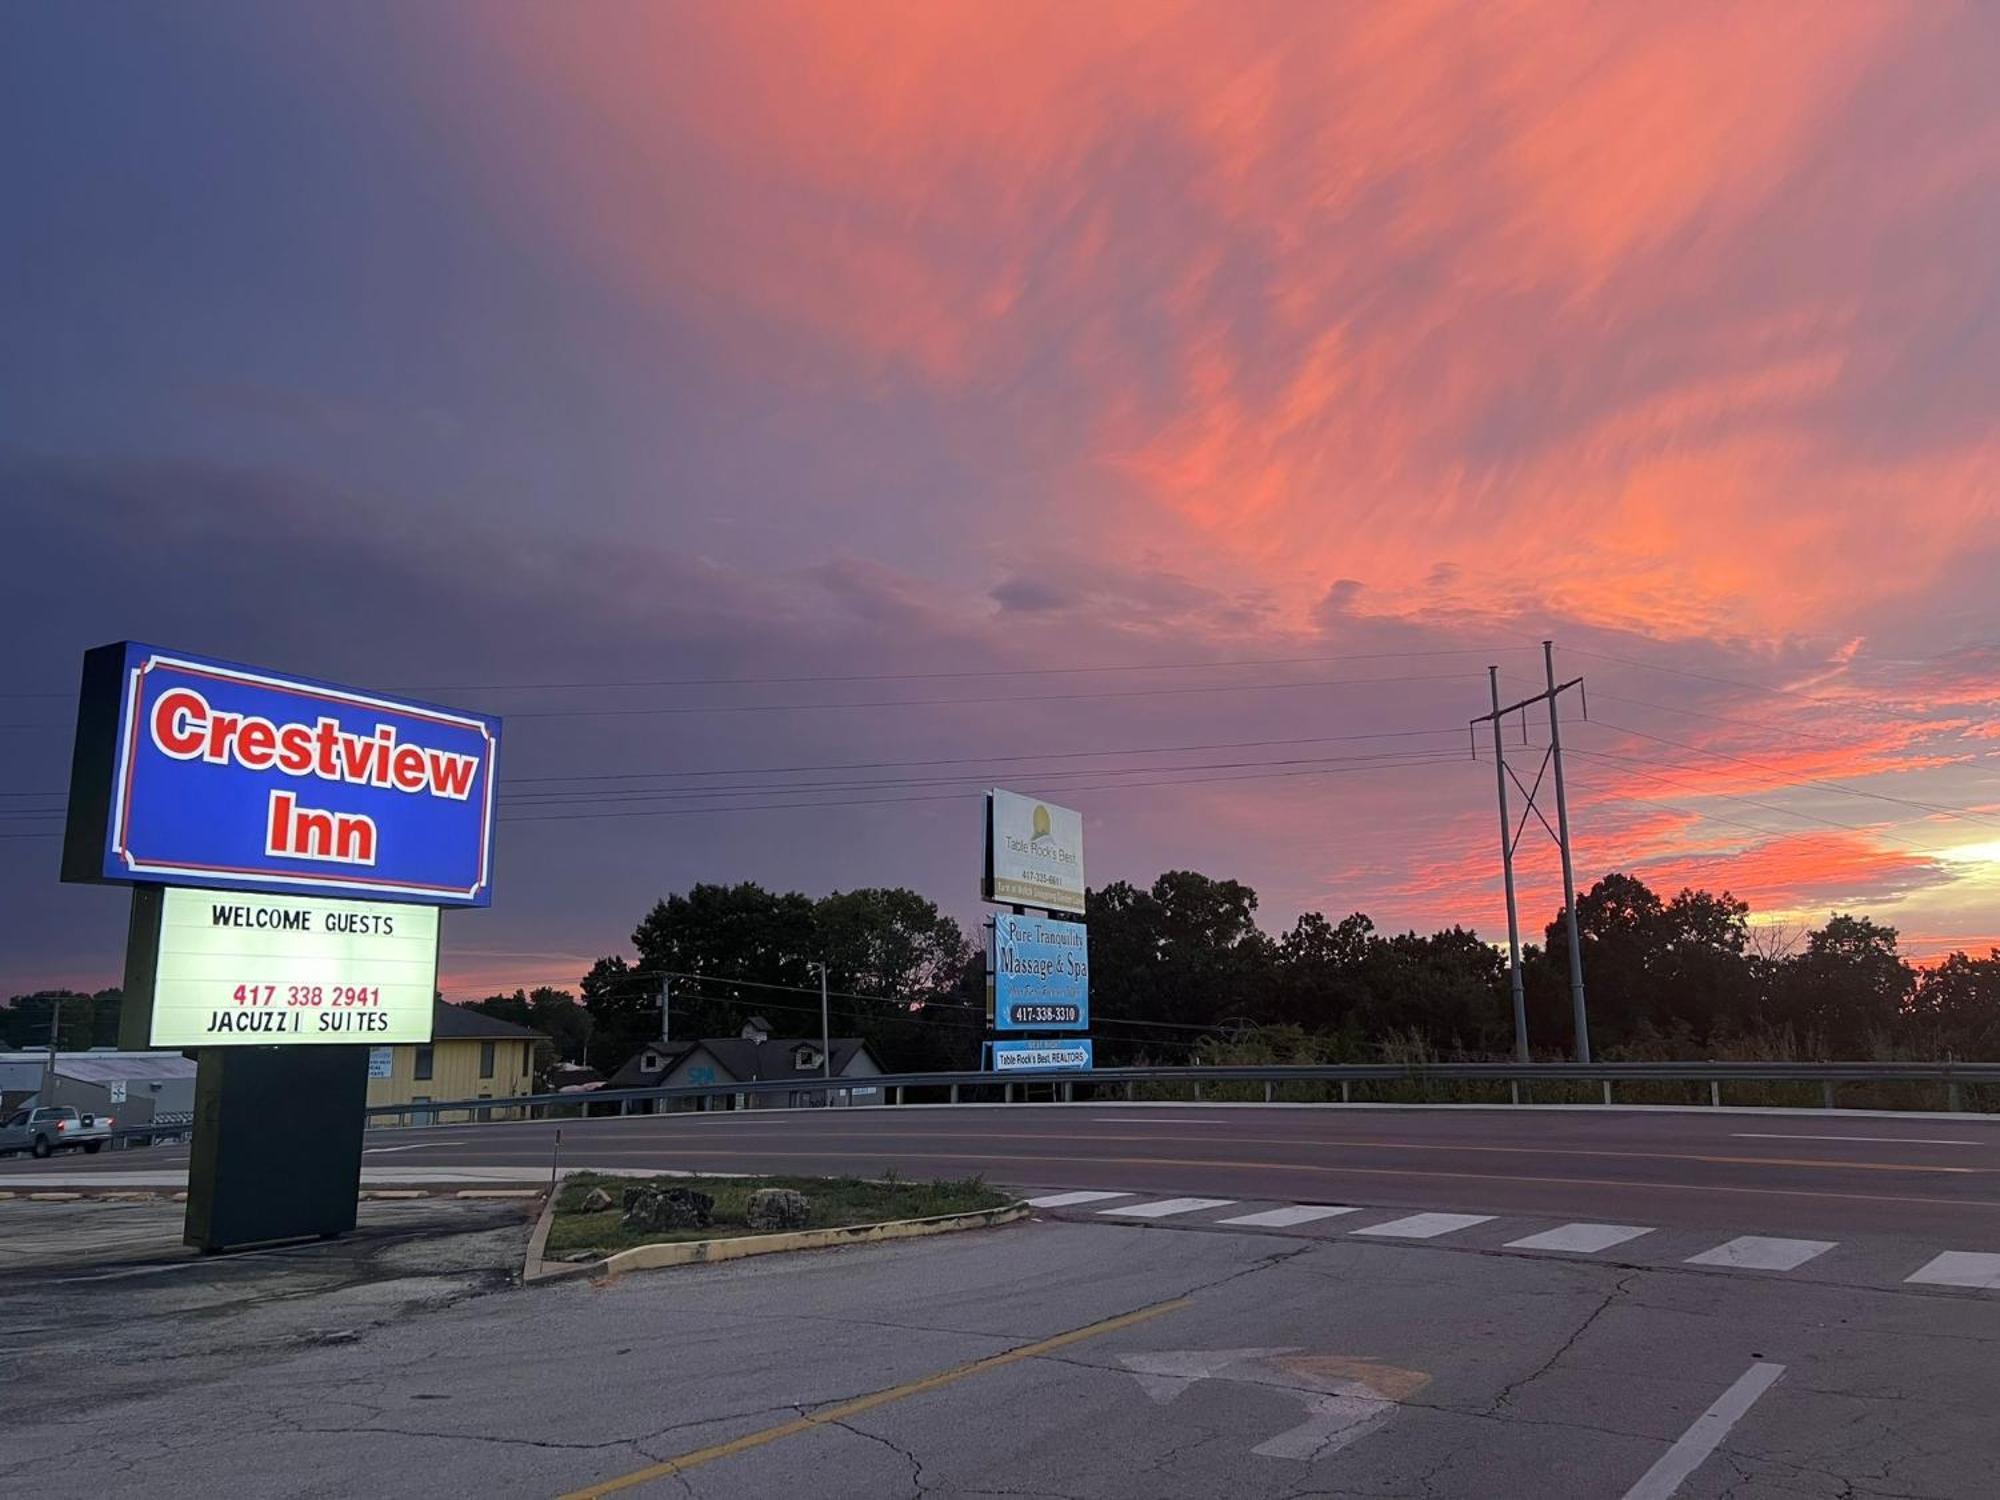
<point>1181,970</point>
<point>1181,965</point>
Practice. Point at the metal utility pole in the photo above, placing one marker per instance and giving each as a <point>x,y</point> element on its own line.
<point>1510,839</point>
<point>55,1033</point>
<point>1569,876</point>
<point>666,1018</point>
<point>1507,877</point>
<point>825,1034</point>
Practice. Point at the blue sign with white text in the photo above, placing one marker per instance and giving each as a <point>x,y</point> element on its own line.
<point>1043,1057</point>
<point>197,772</point>
<point>1041,975</point>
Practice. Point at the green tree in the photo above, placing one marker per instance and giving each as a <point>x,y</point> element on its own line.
<point>1849,988</point>
<point>1955,1010</point>
<point>24,1024</point>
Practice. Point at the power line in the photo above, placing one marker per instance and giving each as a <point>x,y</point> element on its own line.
<point>1791,779</point>
<point>1442,758</point>
<point>970,673</point>
<point>1632,763</point>
<point>678,709</point>
<point>966,760</point>
<point>969,1007</point>
<point>632,794</point>
<point>1702,713</point>
<point>930,676</point>
<point>1153,692</point>
<point>959,760</point>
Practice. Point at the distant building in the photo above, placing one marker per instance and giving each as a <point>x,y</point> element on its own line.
<point>134,1088</point>
<point>753,1056</point>
<point>470,1055</point>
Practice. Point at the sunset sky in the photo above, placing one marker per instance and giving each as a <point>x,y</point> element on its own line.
<point>1166,409</point>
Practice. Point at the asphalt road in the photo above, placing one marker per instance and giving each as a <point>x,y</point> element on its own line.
<point>1826,1175</point>
<point>1067,1357</point>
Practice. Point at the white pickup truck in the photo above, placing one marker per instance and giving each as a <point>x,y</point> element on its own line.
<point>43,1130</point>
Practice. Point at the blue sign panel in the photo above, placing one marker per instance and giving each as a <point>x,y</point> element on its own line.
<point>1041,975</point>
<point>1043,1057</point>
<point>192,771</point>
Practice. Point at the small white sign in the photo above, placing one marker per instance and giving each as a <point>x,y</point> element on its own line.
<point>1025,1057</point>
<point>116,1088</point>
<point>244,970</point>
<point>381,1062</point>
<point>1034,853</point>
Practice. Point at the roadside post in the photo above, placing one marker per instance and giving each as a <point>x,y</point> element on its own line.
<point>290,844</point>
<point>1038,962</point>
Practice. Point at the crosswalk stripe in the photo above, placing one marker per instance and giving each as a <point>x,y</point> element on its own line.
<point>1424,1226</point>
<point>1167,1207</point>
<point>1579,1239</point>
<point>1282,1218</point>
<point>1070,1200</point>
<point>1960,1268</point>
<point>1754,1252</point>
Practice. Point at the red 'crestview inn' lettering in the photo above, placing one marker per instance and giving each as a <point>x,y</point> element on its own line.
<point>184,726</point>
<point>296,832</point>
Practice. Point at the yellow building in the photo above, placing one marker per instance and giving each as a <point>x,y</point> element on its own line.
<point>469,1056</point>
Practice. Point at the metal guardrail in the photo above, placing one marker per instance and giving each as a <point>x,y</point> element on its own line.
<point>1101,1082</point>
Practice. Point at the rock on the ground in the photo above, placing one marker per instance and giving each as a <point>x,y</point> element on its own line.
<point>656,1208</point>
<point>778,1208</point>
<point>596,1201</point>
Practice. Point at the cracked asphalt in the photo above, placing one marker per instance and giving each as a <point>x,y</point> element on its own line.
<point>406,1362</point>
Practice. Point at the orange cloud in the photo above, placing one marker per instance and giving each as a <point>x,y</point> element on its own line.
<point>1421,316</point>
<point>1336,291</point>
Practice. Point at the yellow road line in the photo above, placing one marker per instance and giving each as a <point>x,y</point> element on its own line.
<point>846,1409</point>
<point>1002,1161</point>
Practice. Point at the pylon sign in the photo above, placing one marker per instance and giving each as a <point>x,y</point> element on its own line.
<point>1038,964</point>
<point>288,842</point>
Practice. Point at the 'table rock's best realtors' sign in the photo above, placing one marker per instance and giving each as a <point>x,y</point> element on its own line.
<point>195,772</point>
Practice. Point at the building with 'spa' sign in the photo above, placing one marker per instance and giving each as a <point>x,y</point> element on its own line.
<point>190,771</point>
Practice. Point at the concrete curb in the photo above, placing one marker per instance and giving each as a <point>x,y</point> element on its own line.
<point>532,1269</point>
<point>709,1252</point>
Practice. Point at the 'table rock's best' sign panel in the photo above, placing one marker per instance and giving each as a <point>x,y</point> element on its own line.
<point>255,971</point>
<point>196,772</point>
<point>1034,853</point>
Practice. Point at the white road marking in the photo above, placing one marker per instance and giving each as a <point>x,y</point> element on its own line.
<point>1580,1239</point>
<point>1693,1447</point>
<point>1880,1140</point>
<point>1282,1218</point>
<point>1960,1268</point>
<point>1341,1405</point>
<point>1425,1226</point>
<point>378,1150</point>
<point>1067,1200</point>
<point>1167,1207</point>
<point>1754,1252</point>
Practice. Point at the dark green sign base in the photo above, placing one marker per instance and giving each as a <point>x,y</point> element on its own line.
<point>277,1144</point>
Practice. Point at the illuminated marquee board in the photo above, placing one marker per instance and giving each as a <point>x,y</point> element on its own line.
<point>236,970</point>
<point>190,771</point>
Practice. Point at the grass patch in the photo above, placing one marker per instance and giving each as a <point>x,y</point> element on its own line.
<point>836,1201</point>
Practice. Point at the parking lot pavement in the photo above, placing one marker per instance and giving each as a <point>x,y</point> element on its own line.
<point>101,1304</point>
<point>1055,1358</point>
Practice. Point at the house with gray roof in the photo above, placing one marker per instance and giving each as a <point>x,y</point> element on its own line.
<point>755,1056</point>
